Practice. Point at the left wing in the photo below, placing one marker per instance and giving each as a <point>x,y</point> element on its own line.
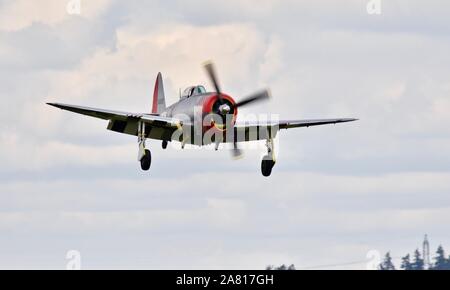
<point>157,127</point>
<point>314,122</point>
<point>248,131</point>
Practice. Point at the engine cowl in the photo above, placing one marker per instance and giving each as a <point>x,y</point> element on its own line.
<point>219,113</point>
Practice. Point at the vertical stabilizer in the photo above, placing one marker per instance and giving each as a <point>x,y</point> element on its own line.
<point>159,100</point>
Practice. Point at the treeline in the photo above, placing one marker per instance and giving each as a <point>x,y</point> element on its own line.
<point>282,267</point>
<point>416,262</point>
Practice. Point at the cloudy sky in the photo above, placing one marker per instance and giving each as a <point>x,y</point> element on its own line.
<point>336,193</point>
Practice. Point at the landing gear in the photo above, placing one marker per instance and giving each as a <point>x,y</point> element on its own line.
<point>146,161</point>
<point>266,167</point>
<point>144,155</point>
<point>268,161</point>
<point>164,144</point>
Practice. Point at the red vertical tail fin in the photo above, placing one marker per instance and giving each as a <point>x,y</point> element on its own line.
<point>159,100</point>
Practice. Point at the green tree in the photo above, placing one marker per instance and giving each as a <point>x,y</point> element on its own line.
<point>282,267</point>
<point>406,263</point>
<point>387,263</point>
<point>441,263</point>
<point>418,261</point>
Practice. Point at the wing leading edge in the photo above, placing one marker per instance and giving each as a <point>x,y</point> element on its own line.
<point>313,122</point>
<point>251,131</point>
<point>158,127</point>
<point>162,128</point>
<point>294,123</point>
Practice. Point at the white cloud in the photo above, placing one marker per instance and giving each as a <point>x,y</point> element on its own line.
<point>24,154</point>
<point>336,192</point>
<point>19,14</point>
<point>206,219</point>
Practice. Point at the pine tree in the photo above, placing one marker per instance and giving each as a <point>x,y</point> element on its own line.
<point>418,263</point>
<point>441,263</point>
<point>387,263</point>
<point>406,263</point>
<point>282,267</point>
<point>291,267</point>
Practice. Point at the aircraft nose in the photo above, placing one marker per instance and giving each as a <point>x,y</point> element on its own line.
<point>224,109</point>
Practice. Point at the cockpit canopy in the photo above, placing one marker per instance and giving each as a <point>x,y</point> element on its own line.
<point>192,91</point>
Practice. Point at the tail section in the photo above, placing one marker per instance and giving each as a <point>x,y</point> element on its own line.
<point>159,100</point>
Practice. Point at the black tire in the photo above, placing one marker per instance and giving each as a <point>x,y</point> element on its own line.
<point>266,167</point>
<point>146,161</point>
<point>164,144</point>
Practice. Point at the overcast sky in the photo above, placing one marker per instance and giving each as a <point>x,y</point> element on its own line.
<point>336,192</point>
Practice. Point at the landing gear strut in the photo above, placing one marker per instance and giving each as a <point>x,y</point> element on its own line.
<point>144,155</point>
<point>268,161</point>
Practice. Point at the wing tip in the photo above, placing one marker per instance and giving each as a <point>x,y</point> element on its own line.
<point>350,120</point>
<point>56,105</point>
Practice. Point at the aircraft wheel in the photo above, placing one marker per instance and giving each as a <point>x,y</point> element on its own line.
<point>266,167</point>
<point>146,161</point>
<point>164,144</point>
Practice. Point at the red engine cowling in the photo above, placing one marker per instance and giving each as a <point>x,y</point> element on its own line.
<point>213,118</point>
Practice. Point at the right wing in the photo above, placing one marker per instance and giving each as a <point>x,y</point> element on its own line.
<point>157,127</point>
<point>251,131</point>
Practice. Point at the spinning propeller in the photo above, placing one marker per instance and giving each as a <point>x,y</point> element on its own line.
<point>226,107</point>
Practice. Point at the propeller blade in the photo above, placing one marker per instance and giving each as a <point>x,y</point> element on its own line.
<point>211,71</point>
<point>257,97</point>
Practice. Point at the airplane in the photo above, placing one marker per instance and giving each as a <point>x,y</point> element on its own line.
<point>179,122</point>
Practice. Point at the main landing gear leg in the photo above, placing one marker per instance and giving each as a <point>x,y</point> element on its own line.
<point>268,161</point>
<point>144,155</point>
